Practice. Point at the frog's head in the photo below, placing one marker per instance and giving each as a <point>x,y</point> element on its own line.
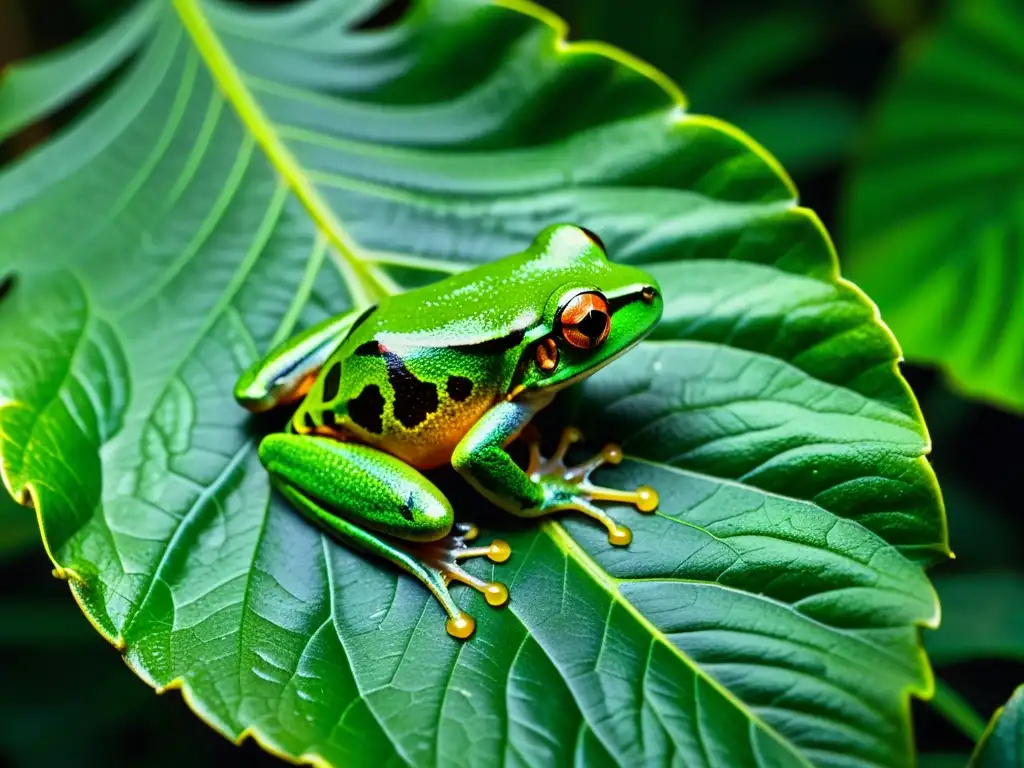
<point>594,311</point>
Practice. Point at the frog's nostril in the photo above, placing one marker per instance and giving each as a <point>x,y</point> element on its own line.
<point>648,293</point>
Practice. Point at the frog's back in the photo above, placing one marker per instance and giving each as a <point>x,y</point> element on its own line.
<point>499,298</point>
<point>414,374</point>
<point>414,398</point>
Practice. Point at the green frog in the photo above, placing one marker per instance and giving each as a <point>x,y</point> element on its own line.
<point>452,373</point>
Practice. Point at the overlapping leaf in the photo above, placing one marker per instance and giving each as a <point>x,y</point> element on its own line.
<point>1002,746</point>
<point>246,173</point>
<point>934,210</point>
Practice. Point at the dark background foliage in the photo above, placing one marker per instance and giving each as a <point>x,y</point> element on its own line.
<point>804,78</point>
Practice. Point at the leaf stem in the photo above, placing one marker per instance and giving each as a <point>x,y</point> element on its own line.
<point>951,705</point>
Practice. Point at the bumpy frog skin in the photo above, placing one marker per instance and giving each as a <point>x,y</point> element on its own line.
<point>451,373</point>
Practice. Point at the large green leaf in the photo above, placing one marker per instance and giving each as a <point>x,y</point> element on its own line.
<point>1002,746</point>
<point>935,205</point>
<point>247,173</point>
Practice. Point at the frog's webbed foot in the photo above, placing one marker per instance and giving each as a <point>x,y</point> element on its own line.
<point>443,556</point>
<point>580,493</point>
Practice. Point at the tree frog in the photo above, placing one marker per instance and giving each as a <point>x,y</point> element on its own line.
<point>452,373</point>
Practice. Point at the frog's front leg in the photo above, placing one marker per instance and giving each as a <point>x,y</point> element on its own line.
<point>287,371</point>
<point>547,485</point>
<point>381,505</point>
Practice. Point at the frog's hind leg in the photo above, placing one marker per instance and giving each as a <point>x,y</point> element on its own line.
<point>378,504</point>
<point>444,556</point>
<point>286,373</point>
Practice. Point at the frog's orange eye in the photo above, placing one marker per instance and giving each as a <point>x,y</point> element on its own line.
<point>585,320</point>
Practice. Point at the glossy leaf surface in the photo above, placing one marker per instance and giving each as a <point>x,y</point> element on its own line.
<point>247,173</point>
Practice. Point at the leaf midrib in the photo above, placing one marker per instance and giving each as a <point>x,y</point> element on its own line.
<point>371,284</point>
<point>571,549</point>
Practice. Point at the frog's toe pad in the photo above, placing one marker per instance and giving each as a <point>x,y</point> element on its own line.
<point>498,551</point>
<point>443,557</point>
<point>620,536</point>
<point>644,498</point>
<point>461,626</point>
<point>494,592</point>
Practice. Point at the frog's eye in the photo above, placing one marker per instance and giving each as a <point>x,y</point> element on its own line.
<point>593,238</point>
<point>585,320</point>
